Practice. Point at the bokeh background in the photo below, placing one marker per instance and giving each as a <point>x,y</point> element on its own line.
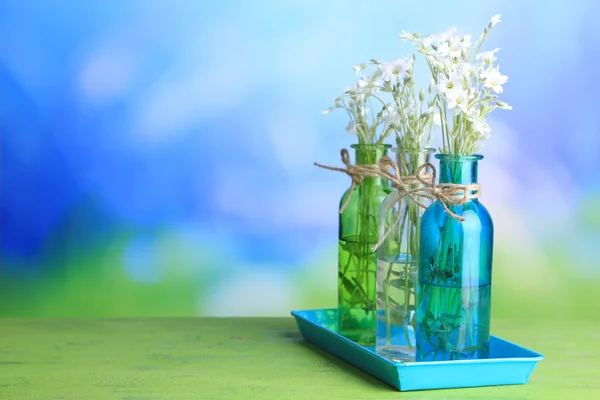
<point>156,156</point>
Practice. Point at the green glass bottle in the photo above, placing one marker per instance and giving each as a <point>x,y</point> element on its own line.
<point>357,264</point>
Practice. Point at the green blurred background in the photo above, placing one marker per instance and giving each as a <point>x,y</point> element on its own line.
<point>156,157</point>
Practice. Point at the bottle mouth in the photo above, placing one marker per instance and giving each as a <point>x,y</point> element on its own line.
<point>424,150</point>
<point>459,157</point>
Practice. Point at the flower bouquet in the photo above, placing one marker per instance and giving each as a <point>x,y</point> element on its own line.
<point>432,268</point>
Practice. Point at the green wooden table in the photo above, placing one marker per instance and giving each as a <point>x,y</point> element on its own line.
<point>250,358</point>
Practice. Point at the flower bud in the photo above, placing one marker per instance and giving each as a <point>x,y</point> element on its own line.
<point>360,67</point>
<point>502,105</point>
<point>422,95</point>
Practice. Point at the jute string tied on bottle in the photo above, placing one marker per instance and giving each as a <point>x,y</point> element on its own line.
<point>415,187</point>
<point>356,172</point>
<point>408,186</point>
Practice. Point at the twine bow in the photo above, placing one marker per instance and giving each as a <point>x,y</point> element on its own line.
<point>407,186</point>
<point>356,172</point>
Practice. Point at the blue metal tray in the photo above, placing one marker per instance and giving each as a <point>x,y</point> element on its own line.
<point>509,364</point>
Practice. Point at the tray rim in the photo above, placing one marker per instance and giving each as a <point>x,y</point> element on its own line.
<point>535,358</point>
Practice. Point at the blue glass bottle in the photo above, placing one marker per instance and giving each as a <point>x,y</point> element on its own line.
<point>455,273</point>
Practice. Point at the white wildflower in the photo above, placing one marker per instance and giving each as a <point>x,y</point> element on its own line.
<point>436,63</point>
<point>449,87</point>
<point>466,42</point>
<point>390,115</point>
<point>376,80</point>
<point>444,49</point>
<point>435,40</point>
<point>365,87</point>
<point>428,41</point>
<point>478,123</point>
<point>435,115</point>
<point>466,70</point>
<point>407,36</point>
<point>495,20</point>
<point>450,48</point>
<point>488,56</point>
<point>458,101</point>
<point>393,71</point>
<point>358,68</point>
<point>493,79</point>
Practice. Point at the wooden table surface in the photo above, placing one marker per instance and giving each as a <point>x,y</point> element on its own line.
<point>251,358</point>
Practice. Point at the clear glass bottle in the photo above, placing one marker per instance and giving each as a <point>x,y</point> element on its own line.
<point>397,264</point>
<point>357,266</point>
<point>455,272</point>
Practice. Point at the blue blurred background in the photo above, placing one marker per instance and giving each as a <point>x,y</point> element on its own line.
<point>156,156</point>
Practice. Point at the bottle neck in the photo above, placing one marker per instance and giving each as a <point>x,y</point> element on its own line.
<point>408,162</point>
<point>369,154</point>
<point>461,170</point>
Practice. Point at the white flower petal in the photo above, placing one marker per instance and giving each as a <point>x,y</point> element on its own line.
<point>495,20</point>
